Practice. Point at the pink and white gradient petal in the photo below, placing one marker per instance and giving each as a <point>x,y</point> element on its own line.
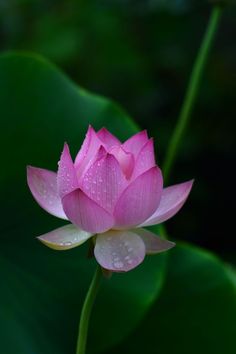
<point>172,200</point>
<point>153,243</point>
<point>139,200</point>
<point>108,139</point>
<point>43,186</point>
<point>66,175</point>
<point>119,251</point>
<point>65,238</point>
<point>135,143</point>
<point>104,181</point>
<point>86,213</point>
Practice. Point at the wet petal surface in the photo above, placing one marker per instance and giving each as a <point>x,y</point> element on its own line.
<point>119,251</point>
<point>66,175</point>
<point>104,182</point>
<point>86,213</point>
<point>43,186</point>
<point>139,200</point>
<point>65,237</point>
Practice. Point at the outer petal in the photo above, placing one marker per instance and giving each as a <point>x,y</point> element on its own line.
<point>66,175</point>
<point>139,200</point>
<point>119,251</point>
<point>107,138</point>
<point>65,237</point>
<point>104,181</point>
<point>145,159</point>
<point>43,185</point>
<point>126,160</point>
<point>87,152</point>
<point>172,200</point>
<point>136,142</point>
<point>86,213</point>
<point>153,243</point>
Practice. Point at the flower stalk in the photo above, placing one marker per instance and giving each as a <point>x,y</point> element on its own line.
<point>86,311</point>
<point>192,90</point>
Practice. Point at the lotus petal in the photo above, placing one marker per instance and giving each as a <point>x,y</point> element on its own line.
<point>139,200</point>
<point>104,181</point>
<point>136,142</point>
<point>153,243</point>
<point>86,213</point>
<point>119,251</point>
<point>66,175</point>
<point>65,237</point>
<point>145,159</point>
<point>43,186</point>
<point>126,160</point>
<point>172,200</point>
<point>107,139</point>
<point>87,152</point>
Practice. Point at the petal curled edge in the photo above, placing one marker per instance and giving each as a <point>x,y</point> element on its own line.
<point>153,243</point>
<point>139,200</point>
<point>145,159</point>
<point>136,142</point>
<point>125,159</point>
<point>43,186</point>
<point>65,237</point>
<point>172,200</point>
<point>119,251</point>
<point>66,175</point>
<point>86,213</point>
<point>87,152</point>
<point>107,138</point>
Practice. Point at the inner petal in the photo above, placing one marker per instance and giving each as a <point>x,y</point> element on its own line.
<point>125,159</point>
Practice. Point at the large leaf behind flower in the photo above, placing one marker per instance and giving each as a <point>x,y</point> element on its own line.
<point>42,290</point>
<point>196,311</point>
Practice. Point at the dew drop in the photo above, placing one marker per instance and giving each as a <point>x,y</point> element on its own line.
<point>67,243</point>
<point>130,249</point>
<point>118,265</point>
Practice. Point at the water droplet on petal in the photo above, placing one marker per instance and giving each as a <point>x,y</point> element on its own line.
<point>67,243</point>
<point>118,265</point>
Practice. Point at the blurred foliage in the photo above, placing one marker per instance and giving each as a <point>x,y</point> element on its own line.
<point>42,290</point>
<point>140,53</point>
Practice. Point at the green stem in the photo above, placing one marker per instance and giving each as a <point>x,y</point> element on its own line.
<point>86,311</point>
<point>192,90</point>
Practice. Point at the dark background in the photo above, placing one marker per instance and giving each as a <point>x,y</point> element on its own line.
<point>140,53</point>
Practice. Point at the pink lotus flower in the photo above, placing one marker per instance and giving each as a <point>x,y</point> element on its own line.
<point>110,191</point>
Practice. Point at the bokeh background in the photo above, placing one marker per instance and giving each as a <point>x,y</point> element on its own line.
<point>140,53</point>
